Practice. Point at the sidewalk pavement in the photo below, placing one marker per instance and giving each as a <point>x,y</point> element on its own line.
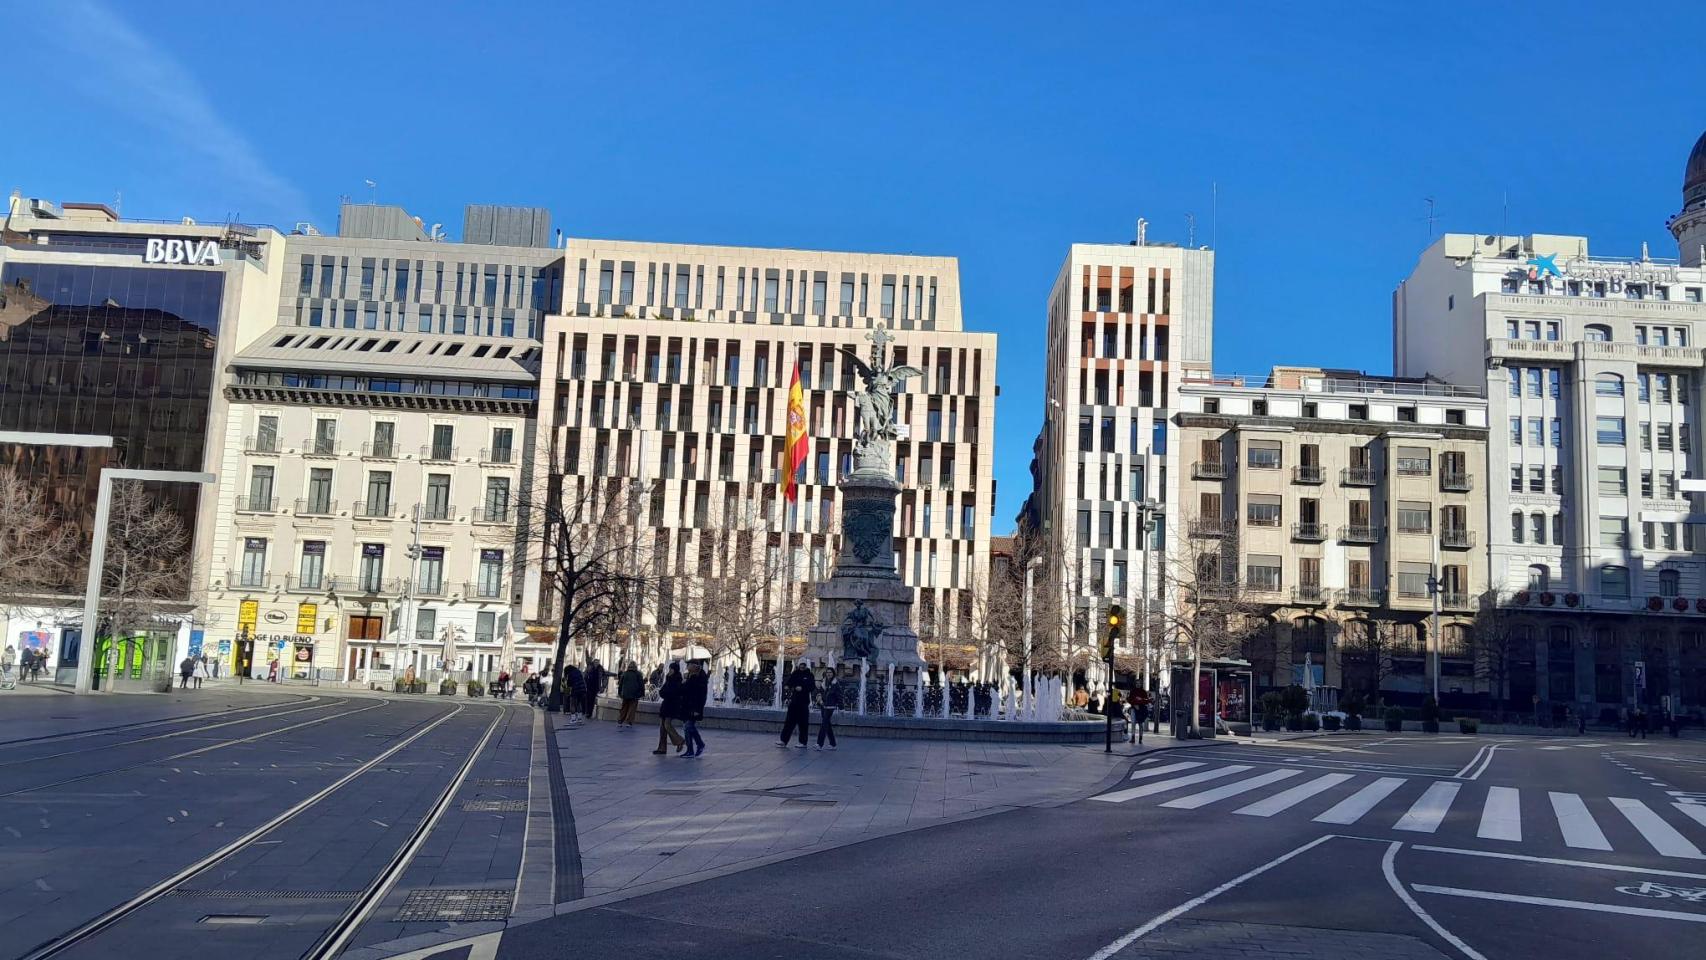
<point>646,822</point>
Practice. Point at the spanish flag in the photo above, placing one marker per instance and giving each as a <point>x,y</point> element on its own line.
<point>794,450</point>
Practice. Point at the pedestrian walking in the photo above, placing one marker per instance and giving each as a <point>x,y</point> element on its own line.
<point>272,670</point>
<point>594,686</point>
<point>670,710</point>
<point>185,670</point>
<point>574,693</point>
<point>1138,709</point>
<point>694,691</point>
<point>545,690</point>
<point>1641,723</point>
<point>8,662</point>
<point>630,686</point>
<point>801,686</point>
<point>828,701</point>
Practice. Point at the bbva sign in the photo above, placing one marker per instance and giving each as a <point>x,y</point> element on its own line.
<point>192,252</point>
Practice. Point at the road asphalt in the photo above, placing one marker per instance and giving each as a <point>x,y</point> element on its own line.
<point>297,822</point>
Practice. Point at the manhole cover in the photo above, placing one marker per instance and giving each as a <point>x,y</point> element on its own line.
<point>500,782</point>
<point>265,894</point>
<point>494,806</point>
<point>457,906</point>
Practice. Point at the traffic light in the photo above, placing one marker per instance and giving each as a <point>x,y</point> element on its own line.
<point>1116,625</point>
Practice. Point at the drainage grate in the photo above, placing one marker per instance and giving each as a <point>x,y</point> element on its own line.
<point>500,782</point>
<point>457,906</point>
<point>998,763</point>
<point>675,793</point>
<point>494,806</point>
<point>265,894</point>
<point>814,802</point>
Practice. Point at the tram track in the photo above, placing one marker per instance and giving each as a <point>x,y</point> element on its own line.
<point>142,724</point>
<point>313,704</point>
<point>337,934</point>
<point>209,748</point>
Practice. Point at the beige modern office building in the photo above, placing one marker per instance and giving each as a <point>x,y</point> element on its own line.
<point>1126,324</point>
<point>380,417</point>
<point>1593,371</point>
<point>670,364</point>
<point>1332,500</point>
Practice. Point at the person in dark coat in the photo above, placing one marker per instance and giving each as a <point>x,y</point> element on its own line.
<point>694,692</point>
<point>630,686</point>
<point>801,686</point>
<point>828,701</point>
<point>574,686</point>
<point>670,710</point>
<point>594,687</point>
<point>185,671</point>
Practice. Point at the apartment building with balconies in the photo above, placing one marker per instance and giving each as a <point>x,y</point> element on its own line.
<point>1594,376</point>
<point>1341,503</point>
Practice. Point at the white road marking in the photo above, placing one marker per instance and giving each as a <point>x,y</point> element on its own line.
<point>1191,904</point>
<point>1692,811</point>
<point>1656,831</point>
<point>1425,814</point>
<point>1576,823</point>
<point>1291,798</point>
<point>1388,867</point>
<point>1554,748</point>
<point>1472,762</point>
<point>1352,808</point>
<point>1486,761</point>
<point>1155,771</point>
<point>1132,793</point>
<point>1501,816</point>
<point>1555,861</point>
<point>1566,904</point>
<point>1230,790</point>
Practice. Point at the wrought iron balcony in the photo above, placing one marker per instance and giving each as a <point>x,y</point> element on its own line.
<point>249,580</point>
<point>1208,527</point>
<point>379,451</point>
<point>439,452</point>
<point>320,446</point>
<point>1358,476</point>
<point>1361,597</point>
<point>436,511</point>
<point>261,444</point>
<point>1208,470</point>
<point>373,509</point>
<point>1308,473</point>
<point>1358,533</point>
<point>316,507</point>
<point>300,584</point>
<point>1456,481</point>
<point>1311,532</point>
<point>1456,539</point>
<point>494,514</point>
<point>483,590</point>
<point>497,455</point>
<point>1308,593</point>
<point>251,503</point>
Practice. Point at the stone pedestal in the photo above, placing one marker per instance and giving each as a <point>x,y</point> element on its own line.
<point>865,571</point>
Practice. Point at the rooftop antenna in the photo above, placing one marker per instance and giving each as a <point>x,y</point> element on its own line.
<point>1190,231</point>
<point>1430,218</point>
<point>373,191</point>
<point>1214,215</point>
<point>1142,232</point>
<point>118,204</point>
<point>1505,225</point>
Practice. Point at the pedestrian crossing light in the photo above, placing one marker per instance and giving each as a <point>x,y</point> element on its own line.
<point>1116,624</point>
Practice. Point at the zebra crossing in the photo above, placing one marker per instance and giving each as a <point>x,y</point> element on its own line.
<point>1495,812</point>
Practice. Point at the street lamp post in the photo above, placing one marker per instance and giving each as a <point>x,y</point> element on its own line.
<point>98,556</point>
<point>1433,624</point>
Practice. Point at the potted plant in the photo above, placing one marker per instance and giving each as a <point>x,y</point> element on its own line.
<point>1394,719</point>
<point>1430,715</point>
<point>1311,721</point>
<point>1353,706</point>
<point>1273,710</point>
<point>1330,722</point>
<point>476,688</point>
<point>1468,725</point>
<point>447,687</point>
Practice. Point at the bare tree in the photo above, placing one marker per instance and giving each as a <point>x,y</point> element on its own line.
<point>587,539</point>
<point>1210,615</point>
<point>36,547</point>
<point>745,592</point>
<point>1365,655</point>
<point>145,572</point>
<point>1496,639</point>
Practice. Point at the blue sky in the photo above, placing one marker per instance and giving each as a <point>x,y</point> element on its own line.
<point>998,134</point>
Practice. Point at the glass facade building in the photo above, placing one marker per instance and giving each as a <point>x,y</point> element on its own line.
<point>126,352</point>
